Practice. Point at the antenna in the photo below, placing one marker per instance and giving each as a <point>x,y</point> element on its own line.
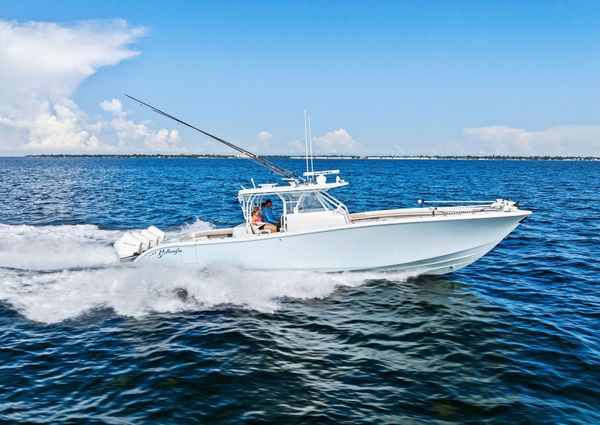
<point>312,163</point>
<point>246,154</point>
<point>306,140</point>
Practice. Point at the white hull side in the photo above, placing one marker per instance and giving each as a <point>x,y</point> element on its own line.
<point>430,245</point>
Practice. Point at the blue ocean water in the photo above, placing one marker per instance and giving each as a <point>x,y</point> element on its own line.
<point>513,338</point>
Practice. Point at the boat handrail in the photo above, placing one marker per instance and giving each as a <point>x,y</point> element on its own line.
<point>430,211</point>
<point>337,204</point>
<point>422,201</point>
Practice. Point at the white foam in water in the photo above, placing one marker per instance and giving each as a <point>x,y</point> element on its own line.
<point>58,295</point>
<point>55,247</point>
<point>196,226</point>
<point>63,247</point>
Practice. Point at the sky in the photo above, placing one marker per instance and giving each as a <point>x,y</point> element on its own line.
<point>377,77</point>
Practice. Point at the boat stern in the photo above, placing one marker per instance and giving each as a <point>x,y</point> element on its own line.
<point>131,244</point>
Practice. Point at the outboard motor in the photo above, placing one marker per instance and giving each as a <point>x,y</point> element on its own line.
<point>132,244</point>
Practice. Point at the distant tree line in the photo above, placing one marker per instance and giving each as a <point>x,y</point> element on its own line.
<point>368,157</point>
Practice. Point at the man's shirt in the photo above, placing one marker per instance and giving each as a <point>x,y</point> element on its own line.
<point>268,216</point>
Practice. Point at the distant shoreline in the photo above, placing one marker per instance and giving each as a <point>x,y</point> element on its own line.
<point>355,157</point>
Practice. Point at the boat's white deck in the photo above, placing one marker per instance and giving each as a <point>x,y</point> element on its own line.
<point>211,234</point>
<point>361,217</point>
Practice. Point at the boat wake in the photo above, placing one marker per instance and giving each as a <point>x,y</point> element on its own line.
<point>53,273</point>
<point>66,246</point>
<point>55,247</point>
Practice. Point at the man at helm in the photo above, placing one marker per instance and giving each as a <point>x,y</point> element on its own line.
<point>268,216</point>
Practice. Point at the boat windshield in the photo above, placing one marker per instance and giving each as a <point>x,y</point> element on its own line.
<point>292,202</point>
<point>298,203</point>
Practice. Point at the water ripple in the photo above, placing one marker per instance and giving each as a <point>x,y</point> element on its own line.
<point>514,338</point>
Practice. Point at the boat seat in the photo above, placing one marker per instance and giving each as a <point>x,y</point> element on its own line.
<point>256,231</point>
<point>212,232</point>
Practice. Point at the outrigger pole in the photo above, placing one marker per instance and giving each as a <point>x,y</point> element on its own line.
<point>247,154</point>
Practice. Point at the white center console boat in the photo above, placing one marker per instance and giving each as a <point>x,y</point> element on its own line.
<point>317,232</point>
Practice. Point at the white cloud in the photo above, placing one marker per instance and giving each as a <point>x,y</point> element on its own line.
<point>263,136</point>
<point>65,127</point>
<point>295,146</point>
<point>569,140</point>
<point>42,65</point>
<point>263,141</point>
<point>333,142</point>
<point>114,106</point>
<point>337,141</point>
<point>132,135</point>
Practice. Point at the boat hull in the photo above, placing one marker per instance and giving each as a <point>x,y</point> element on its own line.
<point>427,245</point>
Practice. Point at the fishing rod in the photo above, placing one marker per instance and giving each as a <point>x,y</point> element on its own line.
<point>249,155</point>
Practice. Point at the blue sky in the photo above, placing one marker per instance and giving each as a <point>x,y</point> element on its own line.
<point>377,77</point>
